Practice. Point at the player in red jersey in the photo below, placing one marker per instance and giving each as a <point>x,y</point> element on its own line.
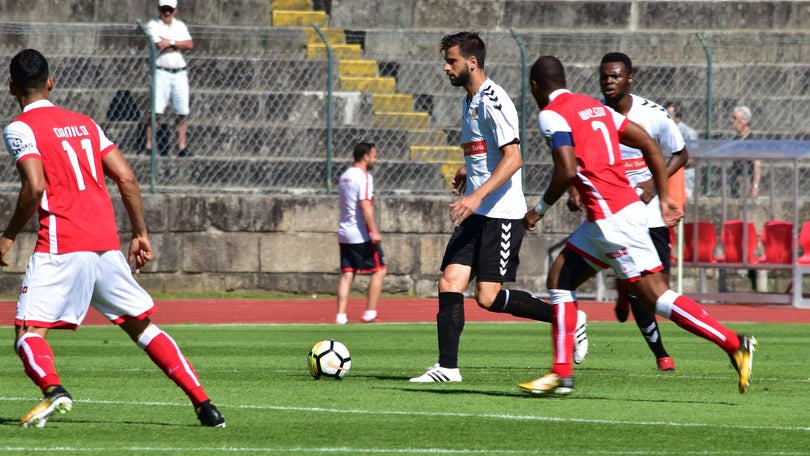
<point>62,158</point>
<point>584,136</point>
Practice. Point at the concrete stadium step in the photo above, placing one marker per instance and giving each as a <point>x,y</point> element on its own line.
<point>247,174</point>
<point>294,5</point>
<point>282,18</point>
<point>449,172</point>
<point>360,68</point>
<point>349,51</point>
<point>377,84</point>
<point>265,139</point>
<point>334,35</point>
<point>402,120</point>
<point>392,102</point>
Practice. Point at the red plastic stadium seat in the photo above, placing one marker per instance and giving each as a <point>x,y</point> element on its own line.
<point>777,242</point>
<point>804,242</point>
<point>707,239</point>
<point>732,239</point>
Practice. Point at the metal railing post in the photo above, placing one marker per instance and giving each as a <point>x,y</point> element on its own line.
<point>152,117</point>
<point>709,105</point>
<point>330,87</point>
<point>523,92</point>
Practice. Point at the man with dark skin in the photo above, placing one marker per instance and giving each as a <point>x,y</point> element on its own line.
<point>584,138</point>
<point>616,77</point>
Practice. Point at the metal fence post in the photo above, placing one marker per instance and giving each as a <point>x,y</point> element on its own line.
<point>523,91</point>
<point>330,85</point>
<point>709,99</point>
<point>152,119</point>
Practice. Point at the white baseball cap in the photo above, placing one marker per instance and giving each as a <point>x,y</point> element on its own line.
<point>172,3</point>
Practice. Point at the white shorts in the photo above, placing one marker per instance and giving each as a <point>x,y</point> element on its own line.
<point>171,87</point>
<point>621,241</point>
<point>58,289</point>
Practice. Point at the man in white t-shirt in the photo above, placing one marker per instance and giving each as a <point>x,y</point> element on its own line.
<point>171,38</point>
<point>616,76</point>
<point>358,235</point>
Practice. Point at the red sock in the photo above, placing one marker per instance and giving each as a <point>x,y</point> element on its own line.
<point>690,316</point>
<point>563,325</point>
<point>164,352</point>
<point>37,358</point>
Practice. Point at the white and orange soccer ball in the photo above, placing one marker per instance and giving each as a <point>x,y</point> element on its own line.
<point>329,358</point>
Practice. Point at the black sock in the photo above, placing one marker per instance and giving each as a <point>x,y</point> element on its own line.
<point>522,304</point>
<point>649,328</point>
<point>449,324</point>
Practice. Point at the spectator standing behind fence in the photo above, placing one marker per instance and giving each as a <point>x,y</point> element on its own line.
<point>171,38</point>
<point>740,120</point>
<point>688,132</point>
<point>358,235</point>
<point>62,158</point>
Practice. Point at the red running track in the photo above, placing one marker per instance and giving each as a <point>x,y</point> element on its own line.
<point>206,311</point>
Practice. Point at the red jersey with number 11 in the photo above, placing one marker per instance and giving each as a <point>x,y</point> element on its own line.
<point>76,213</point>
<point>593,130</point>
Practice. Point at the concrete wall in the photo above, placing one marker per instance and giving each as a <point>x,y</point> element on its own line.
<point>628,15</point>
<point>580,15</point>
<point>222,243</point>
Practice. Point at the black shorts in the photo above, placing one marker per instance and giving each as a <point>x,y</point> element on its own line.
<point>660,238</point>
<point>362,258</point>
<point>489,245</point>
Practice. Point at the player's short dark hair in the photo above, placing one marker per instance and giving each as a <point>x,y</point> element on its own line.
<point>29,70</point>
<point>362,149</point>
<point>548,72</point>
<point>469,44</point>
<point>619,57</point>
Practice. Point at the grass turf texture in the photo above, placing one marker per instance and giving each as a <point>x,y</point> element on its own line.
<point>257,375</point>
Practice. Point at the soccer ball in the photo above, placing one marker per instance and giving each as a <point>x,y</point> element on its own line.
<point>329,358</point>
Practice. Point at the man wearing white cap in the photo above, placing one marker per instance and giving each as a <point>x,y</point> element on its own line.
<point>171,38</point>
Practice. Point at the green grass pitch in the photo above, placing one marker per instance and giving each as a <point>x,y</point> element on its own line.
<point>257,375</point>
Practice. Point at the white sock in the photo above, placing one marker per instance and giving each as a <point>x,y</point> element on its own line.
<point>341,319</point>
<point>369,315</point>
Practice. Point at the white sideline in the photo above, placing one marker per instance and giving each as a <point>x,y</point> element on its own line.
<point>444,414</point>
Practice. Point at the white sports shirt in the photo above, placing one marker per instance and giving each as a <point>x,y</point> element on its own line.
<point>172,60</point>
<point>653,118</point>
<point>355,185</point>
<point>490,121</point>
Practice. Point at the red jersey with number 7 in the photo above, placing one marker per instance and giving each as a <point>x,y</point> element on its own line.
<point>593,130</point>
<point>76,213</point>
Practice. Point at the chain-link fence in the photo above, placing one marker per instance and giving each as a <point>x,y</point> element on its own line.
<point>279,109</point>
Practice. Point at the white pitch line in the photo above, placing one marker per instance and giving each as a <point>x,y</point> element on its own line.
<point>351,450</point>
<point>507,417</point>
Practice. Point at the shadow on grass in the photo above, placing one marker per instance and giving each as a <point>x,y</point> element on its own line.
<point>449,390</point>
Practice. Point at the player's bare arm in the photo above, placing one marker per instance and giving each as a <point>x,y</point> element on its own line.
<point>574,202</point>
<point>565,169</point>
<point>636,136</point>
<point>675,163</point>
<point>367,208</point>
<point>509,165</point>
<point>32,179</point>
<point>459,181</point>
<point>117,168</point>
